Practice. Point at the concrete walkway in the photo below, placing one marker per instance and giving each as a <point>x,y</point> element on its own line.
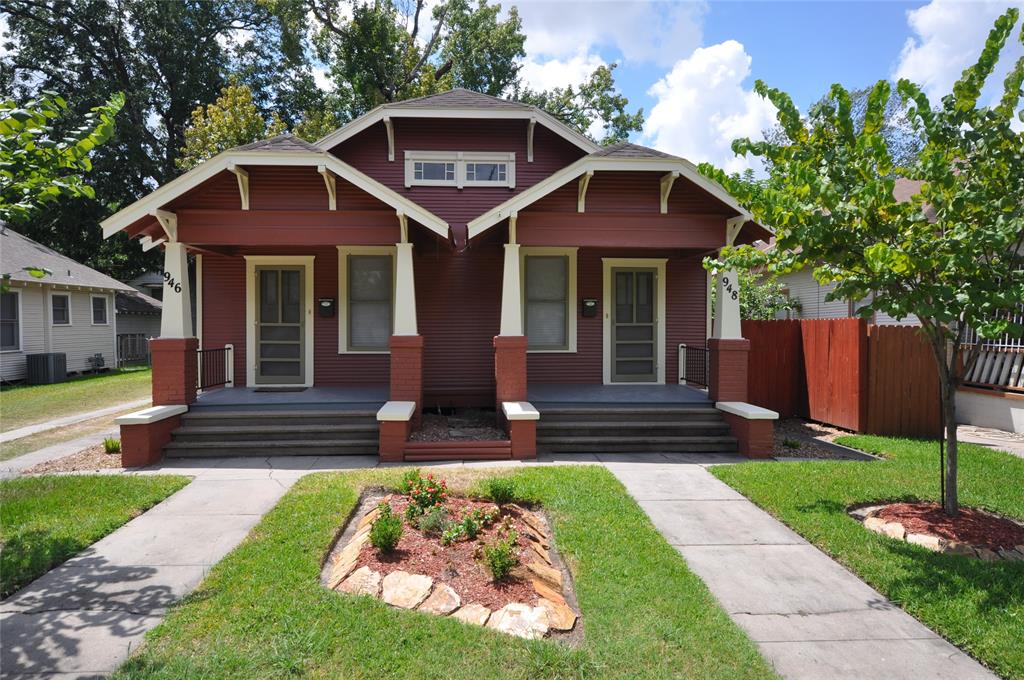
<point>11,435</point>
<point>810,617</point>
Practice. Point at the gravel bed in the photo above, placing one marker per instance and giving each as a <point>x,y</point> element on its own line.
<point>86,460</point>
<point>464,425</point>
<point>798,438</point>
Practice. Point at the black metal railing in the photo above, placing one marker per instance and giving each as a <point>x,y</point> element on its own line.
<point>214,367</point>
<point>693,365</point>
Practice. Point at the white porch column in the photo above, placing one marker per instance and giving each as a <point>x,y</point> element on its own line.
<point>727,305</point>
<point>405,291</point>
<point>176,316</point>
<point>511,305</point>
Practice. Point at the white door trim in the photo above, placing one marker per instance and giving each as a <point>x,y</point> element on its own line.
<point>251,262</point>
<point>658,264</point>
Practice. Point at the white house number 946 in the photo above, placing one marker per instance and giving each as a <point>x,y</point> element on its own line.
<point>729,288</point>
<point>171,283</point>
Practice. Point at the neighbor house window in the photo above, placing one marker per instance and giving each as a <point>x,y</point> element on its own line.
<point>460,168</point>
<point>367,295</point>
<point>60,310</point>
<point>549,307</point>
<point>99,311</point>
<point>10,321</point>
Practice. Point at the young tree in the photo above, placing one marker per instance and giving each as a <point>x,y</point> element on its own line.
<point>231,121</point>
<point>37,166</point>
<point>952,255</point>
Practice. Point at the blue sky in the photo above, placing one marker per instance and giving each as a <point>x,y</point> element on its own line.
<point>692,66</point>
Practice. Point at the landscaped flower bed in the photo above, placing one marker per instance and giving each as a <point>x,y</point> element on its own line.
<point>487,562</point>
<point>973,532</point>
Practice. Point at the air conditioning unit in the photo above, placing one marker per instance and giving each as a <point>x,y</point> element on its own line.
<point>44,369</point>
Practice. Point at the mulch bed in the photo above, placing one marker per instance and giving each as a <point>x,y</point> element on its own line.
<point>86,460</point>
<point>464,425</point>
<point>798,438</point>
<point>456,564</point>
<point>974,527</point>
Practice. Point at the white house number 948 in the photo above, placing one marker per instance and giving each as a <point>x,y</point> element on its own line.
<point>729,288</point>
<point>171,283</point>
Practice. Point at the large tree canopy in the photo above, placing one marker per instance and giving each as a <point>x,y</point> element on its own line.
<point>952,255</point>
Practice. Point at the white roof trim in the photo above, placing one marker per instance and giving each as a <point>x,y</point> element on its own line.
<point>600,163</point>
<point>219,163</point>
<point>378,115</point>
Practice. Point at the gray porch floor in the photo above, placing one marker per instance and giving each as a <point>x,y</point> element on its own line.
<point>616,395</point>
<point>354,398</point>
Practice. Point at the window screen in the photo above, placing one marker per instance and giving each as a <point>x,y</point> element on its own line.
<point>99,310</point>
<point>10,335</point>
<point>61,305</point>
<point>369,301</point>
<point>547,302</point>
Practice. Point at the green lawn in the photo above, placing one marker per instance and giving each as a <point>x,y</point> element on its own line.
<point>261,613</point>
<point>46,520</point>
<point>978,606</point>
<point>23,405</point>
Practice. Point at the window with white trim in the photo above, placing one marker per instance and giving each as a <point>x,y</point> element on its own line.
<point>549,299</point>
<point>10,321</point>
<point>367,284</point>
<point>60,310</point>
<point>460,168</point>
<point>99,310</point>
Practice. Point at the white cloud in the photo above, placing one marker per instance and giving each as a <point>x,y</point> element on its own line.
<point>657,32</point>
<point>546,74</point>
<point>702,105</point>
<point>948,37</point>
<point>321,78</point>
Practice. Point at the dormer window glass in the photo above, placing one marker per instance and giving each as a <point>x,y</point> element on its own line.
<point>460,169</point>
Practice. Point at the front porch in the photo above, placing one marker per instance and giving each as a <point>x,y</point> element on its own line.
<point>351,398</point>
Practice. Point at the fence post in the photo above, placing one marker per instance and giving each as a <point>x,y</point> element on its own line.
<point>229,368</point>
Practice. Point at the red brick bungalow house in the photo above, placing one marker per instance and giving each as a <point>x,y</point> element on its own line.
<point>455,250</point>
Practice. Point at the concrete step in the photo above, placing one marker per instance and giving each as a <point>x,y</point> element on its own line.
<point>632,428</point>
<point>286,447</point>
<point>627,414</point>
<point>201,418</point>
<point>193,433</point>
<point>498,449</point>
<point>621,444</point>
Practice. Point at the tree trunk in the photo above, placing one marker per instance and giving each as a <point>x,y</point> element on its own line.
<point>951,501</point>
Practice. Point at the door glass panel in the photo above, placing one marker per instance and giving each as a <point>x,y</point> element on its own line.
<point>281,369</point>
<point>634,333</point>
<point>268,296</point>
<point>623,297</point>
<point>282,351</point>
<point>638,351</point>
<point>291,309</point>
<point>635,368</point>
<point>644,297</point>
<point>280,333</point>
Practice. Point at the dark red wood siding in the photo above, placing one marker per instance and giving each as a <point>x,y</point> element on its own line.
<point>368,152</point>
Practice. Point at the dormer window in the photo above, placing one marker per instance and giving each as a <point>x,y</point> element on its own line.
<point>460,169</point>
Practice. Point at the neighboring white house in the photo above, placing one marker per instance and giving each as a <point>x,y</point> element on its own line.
<point>802,288</point>
<point>70,310</point>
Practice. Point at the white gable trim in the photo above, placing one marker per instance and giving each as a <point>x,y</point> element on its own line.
<point>388,113</point>
<point>223,161</point>
<point>590,164</point>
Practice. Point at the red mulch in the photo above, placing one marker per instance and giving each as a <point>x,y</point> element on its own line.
<point>455,564</point>
<point>974,527</point>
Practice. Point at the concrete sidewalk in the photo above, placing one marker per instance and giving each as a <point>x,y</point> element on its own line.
<point>11,435</point>
<point>810,617</point>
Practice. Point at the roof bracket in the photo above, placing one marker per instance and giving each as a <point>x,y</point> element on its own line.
<point>148,243</point>
<point>243,183</point>
<point>667,181</point>
<point>403,226</point>
<point>733,225</point>
<point>389,126</point>
<point>529,139</point>
<point>332,186</point>
<point>581,201</point>
<point>168,222</point>
<point>512,219</point>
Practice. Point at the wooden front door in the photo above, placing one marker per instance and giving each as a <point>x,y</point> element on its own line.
<point>634,325</point>
<point>280,325</point>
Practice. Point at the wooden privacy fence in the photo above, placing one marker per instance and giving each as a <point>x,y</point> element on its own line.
<point>843,372</point>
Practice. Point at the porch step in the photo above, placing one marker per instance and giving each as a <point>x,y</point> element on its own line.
<point>284,447</point>
<point>457,450</point>
<point>265,432</point>
<point>632,428</point>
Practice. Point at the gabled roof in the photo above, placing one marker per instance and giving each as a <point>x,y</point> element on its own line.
<point>283,142</point>
<point>457,103</point>
<point>18,251</point>
<point>623,157</point>
<point>134,302</point>
<point>272,155</point>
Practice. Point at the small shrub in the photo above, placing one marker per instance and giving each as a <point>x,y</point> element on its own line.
<point>386,530</point>
<point>501,556</point>
<point>111,445</point>
<point>452,533</point>
<point>427,492</point>
<point>501,490</point>
<point>413,512</point>
<point>410,479</point>
<point>434,522</point>
<point>470,527</point>
<point>790,443</point>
